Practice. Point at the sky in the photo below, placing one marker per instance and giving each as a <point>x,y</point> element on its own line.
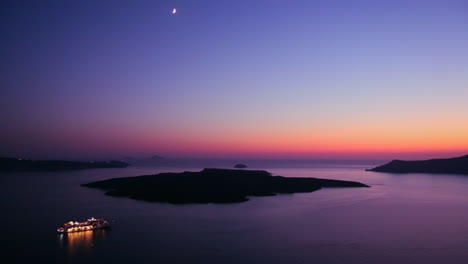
<point>273,79</point>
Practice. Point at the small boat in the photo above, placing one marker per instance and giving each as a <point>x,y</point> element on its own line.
<point>90,224</point>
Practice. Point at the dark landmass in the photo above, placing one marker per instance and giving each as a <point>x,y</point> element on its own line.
<point>14,164</point>
<point>211,186</point>
<point>448,166</point>
<point>240,166</point>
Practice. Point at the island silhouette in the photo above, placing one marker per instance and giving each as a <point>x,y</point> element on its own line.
<point>240,166</point>
<point>211,186</point>
<point>458,165</point>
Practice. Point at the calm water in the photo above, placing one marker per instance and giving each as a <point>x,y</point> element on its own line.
<point>417,218</point>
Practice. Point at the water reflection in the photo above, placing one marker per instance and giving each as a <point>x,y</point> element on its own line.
<point>413,218</point>
<point>81,242</point>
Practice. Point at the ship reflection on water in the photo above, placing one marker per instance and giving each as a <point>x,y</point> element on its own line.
<point>81,242</point>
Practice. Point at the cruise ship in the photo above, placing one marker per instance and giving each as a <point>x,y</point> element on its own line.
<point>90,224</point>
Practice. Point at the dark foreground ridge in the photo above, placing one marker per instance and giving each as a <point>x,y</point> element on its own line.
<point>13,164</point>
<point>449,166</point>
<point>211,186</point>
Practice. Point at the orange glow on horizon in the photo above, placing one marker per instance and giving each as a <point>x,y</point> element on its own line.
<point>358,138</point>
<point>302,145</point>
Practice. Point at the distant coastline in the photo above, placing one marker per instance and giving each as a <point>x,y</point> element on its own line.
<point>458,165</point>
<point>18,164</point>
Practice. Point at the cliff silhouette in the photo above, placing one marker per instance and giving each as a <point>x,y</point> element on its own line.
<point>457,165</point>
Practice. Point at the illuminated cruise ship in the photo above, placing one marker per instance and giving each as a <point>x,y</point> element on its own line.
<point>91,224</point>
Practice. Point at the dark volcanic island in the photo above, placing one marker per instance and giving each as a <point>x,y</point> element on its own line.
<point>211,186</point>
<point>457,165</point>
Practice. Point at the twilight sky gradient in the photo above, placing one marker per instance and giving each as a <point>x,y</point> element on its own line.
<point>293,79</point>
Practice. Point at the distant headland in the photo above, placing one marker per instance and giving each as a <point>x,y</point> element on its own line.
<point>154,160</point>
<point>457,165</point>
<point>211,186</point>
<point>17,164</point>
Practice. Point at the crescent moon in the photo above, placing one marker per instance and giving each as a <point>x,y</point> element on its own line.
<point>174,11</point>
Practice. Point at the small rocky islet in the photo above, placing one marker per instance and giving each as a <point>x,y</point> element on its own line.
<point>211,186</point>
<point>240,166</point>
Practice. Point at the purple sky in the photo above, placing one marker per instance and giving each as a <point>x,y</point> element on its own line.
<point>258,78</point>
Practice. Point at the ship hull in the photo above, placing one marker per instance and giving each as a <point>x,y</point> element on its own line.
<point>91,224</point>
<point>83,230</point>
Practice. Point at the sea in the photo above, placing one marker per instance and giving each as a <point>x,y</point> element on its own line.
<point>401,218</point>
